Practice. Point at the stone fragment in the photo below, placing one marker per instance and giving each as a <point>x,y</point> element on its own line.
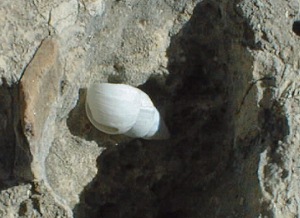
<point>39,89</point>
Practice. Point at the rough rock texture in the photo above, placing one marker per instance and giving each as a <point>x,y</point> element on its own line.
<point>223,73</point>
<point>39,90</point>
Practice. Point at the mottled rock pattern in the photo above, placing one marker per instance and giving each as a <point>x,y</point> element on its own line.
<point>73,171</point>
<point>224,74</point>
<point>39,90</point>
<point>22,31</point>
<point>30,200</point>
<point>39,87</point>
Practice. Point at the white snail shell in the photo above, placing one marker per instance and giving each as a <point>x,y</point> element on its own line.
<point>123,109</point>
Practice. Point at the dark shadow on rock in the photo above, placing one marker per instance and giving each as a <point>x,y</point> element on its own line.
<point>126,181</point>
<point>77,121</point>
<point>15,158</point>
<point>7,136</point>
<point>80,126</point>
<point>197,172</point>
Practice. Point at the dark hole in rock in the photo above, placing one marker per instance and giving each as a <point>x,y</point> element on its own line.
<point>296,27</point>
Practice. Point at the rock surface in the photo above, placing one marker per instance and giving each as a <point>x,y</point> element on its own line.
<point>39,90</point>
<point>224,75</point>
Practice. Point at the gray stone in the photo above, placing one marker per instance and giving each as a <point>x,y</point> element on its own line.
<point>223,74</point>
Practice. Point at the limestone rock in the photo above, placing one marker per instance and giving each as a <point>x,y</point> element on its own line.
<point>224,73</point>
<point>64,15</point>
<point>39,90</point>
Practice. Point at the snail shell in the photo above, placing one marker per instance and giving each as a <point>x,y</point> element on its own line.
<point>123,109</point>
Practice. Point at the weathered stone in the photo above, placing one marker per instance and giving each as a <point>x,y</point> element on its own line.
<point>226,73</point>
<point>30,200</point>
<point>39,91</point>
<point>64,15</point>
<point>22,30</point>
<point>71,166</point>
